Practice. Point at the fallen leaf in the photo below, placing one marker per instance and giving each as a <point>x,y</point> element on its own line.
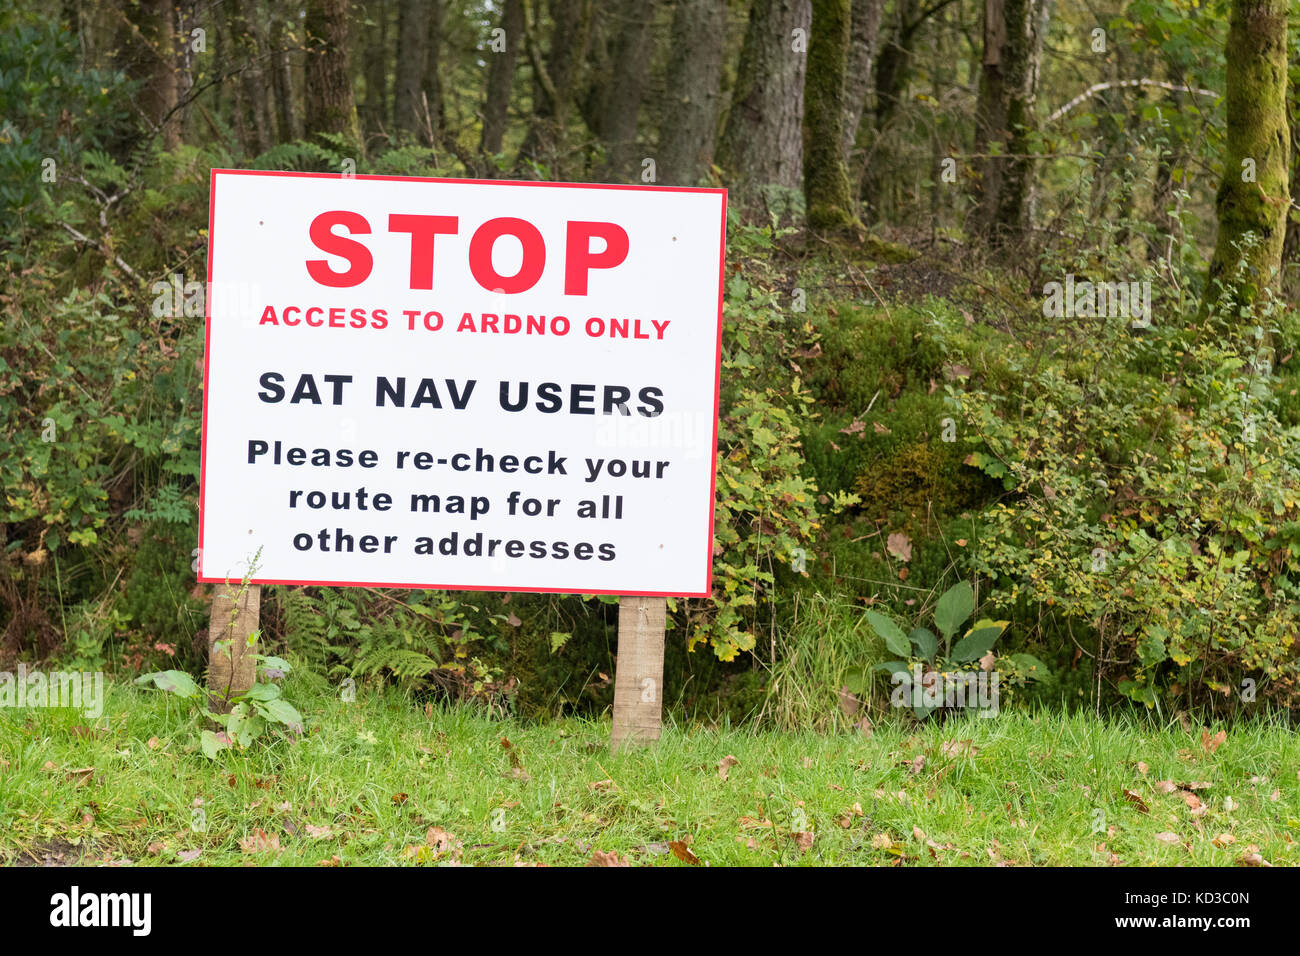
<point>987,662</point>
<point>918,834</point>
<point>260,842</point>
<point>1211,744</point>
<point>683,852</point>
<point>849,703</point>
<point>153,743</point>
<point>899,545</point>
<point>1165,786</point>
<point>882,841</point>
<point>802,840</point>
<point>1224,839</point>
<point>605,784</point>
<point>319,833</point>
<point>958,748</point>
<point>1134,798</point>
<point>189,856</point>
<point>725,765</point>
<point>1142,768</point>
<point>400,798</point>
<point>854,428</point>
<point>881,429</point>
<point>1192,800</point>
<point>599,858</point>
<point>1167,837</point>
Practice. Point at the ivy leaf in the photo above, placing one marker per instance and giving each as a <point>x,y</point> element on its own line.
<point>893,635</point>
<point>957,604</point>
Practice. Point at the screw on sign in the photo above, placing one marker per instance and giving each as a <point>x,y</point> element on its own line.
<point>360,429</point>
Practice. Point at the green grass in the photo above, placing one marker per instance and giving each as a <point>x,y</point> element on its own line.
<point>377,774</point>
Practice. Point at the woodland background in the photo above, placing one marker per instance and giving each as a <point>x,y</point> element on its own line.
<point>900,412</point>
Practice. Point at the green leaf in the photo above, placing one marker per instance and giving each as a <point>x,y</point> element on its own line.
<point>927,645</point>
<point>855,679</point>
<point>211,744</point>
<point>957,604</point>
<point>895,639</point>
<point>283,711</point>
<point>1033,668</point>
<point>976,643</point>
<point>558,640</point>
<point>894,667</point>
<point>262,692</point>
<point>174,682</point>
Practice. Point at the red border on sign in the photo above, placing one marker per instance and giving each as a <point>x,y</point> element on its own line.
<point>717,382</point>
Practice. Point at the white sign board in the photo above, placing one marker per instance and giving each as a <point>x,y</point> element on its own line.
<point>461,384</point>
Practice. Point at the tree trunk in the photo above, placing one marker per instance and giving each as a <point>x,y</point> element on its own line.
<point>689,128</point>
<point>501,78</point>
<point>330,108</point>
<point>826,180</point>
<point>282,77</point>
<point>864,33</point>
<point>149,53</point>
<point>374,117</point>
<point>1004,116</point>
<point>762,143</point>
<point>619,110</point>
<point>555,77</point>
<point>412,57</point>
<point>256,134</point>
<point>432,120</point>
<point>1257,136</point>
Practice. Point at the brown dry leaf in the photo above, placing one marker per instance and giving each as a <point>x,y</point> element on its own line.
<point>1167,837</point>
<point>599,858</point>
<point>916,764</point>
<point>802,840</point>
<point>955,371</point>
<point>319,833</point>
<point>855,428</point>
<point>846,820</point>
<point>900,546</point>
<point>1252,857</point>
<point>881,429</point>
<point>1142,768</point>
<point>987,662</point>
<point>153,849</point>
<point>601,785</point>
<point>918,834</point>
<point>725,765</point>
<point>260,842</point>
<point>958,748</point>
<point>1191,799</point>
<point>1211,744</point>
<point>1165,786</point>
<point>882,841</point>
<point>1224,839</point>
<point>153,743</point>
<point>1134,798</point>
<point>849,703</point>
<point>683,852</point>
<point>80,775</point>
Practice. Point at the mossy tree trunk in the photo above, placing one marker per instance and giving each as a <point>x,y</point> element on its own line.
<point>762,143</point>
<point>617,106</point>
<point>826,179</point>
<point>501,78</point>
<point>1005,123</point>
<point>864,34</point>
<point>688,132</point>
<point>1253,197</point>
<point>327,83</point>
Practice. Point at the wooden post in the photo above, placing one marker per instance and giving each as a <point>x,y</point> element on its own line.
<point>639,671</point>
<point>231,668</point>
